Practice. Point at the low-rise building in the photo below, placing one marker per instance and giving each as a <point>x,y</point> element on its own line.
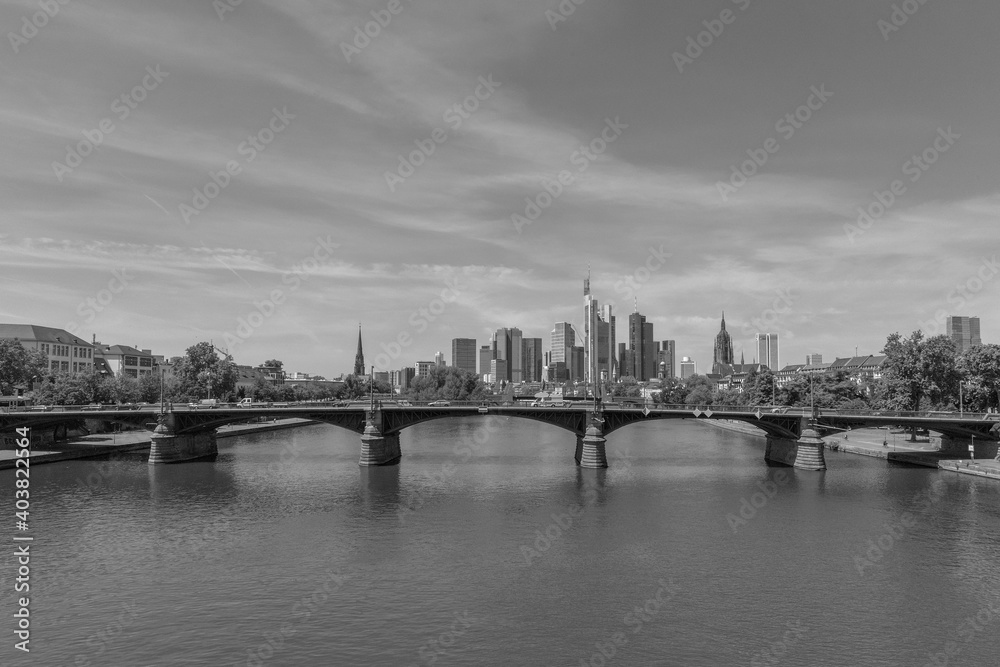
<point>66,352</point>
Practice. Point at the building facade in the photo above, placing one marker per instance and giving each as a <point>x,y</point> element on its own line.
<point>66,352</point>
<point>666,355</point>
<point>964,331</point>
<point>767,350</point>
<point>688,367</point>
<point>463,354</point>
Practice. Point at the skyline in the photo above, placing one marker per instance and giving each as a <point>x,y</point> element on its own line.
<point>235,154</point>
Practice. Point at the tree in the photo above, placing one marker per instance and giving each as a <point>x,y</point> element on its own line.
<point>627,387</point>
<point>273,363</point>
<point>918,368</point>
<point>202,374</point>
<point>759,388</point>
<point>72,389</point>
<point>979,368</point>
<point>19,365</point>
<point>673,391</point>
<point>446,383</point>
<point>699,390</point>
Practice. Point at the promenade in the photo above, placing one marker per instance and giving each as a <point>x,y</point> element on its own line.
<point>103,444</point>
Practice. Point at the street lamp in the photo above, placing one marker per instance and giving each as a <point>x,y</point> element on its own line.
<point>371,388</point>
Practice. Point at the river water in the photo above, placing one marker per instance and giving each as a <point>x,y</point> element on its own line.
<point>487,545</point>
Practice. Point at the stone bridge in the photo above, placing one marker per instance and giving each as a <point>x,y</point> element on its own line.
<point>793,437</point>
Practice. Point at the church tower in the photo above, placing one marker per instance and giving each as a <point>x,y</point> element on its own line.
<point>723,347</point>
<point>359,358</point>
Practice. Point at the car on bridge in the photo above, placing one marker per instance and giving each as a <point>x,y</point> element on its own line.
<point>438,404</point>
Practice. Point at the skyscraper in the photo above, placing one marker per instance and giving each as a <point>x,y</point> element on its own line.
<point>439,358</point>
<point>359,356</point>
<point>964,331</point>
<point>688,367</point>
<point>642,348</point>
<point>723,348</point>
<point>485,356</point>
<point>767,350</point>
<point>598,338</point>
<point>463,354</point>
<point>531,354</point>
<point>814,359</point>
<point>507,348</point>
<point>561,339</point>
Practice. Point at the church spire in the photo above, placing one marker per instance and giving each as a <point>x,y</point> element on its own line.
<point>359,358</point>
<point>723,320</point>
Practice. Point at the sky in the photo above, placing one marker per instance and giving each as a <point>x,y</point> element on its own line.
<point>269,174</point>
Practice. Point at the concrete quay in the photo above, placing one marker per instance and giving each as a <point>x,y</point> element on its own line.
<point>897,448</point>
<point>103,444</point>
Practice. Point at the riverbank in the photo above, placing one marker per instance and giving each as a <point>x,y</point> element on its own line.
<point>882,444</point>
<point>104,444</point>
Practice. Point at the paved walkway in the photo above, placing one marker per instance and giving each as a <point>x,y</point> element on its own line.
<point>101,444</point>
<point>869,442</point>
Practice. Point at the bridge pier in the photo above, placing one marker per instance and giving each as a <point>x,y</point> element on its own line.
<point>579,449</point>
<point>167,446</point>
<point>591,451</point>
<point>378,449</point>
<point>806,453</point>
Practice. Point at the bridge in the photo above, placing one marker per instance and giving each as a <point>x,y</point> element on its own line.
<point>183,433</point>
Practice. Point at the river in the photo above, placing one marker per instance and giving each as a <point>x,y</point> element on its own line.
<point>487,545</point>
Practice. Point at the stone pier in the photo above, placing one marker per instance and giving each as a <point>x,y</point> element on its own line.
<point>806,453</point>
<point>378,449</point>
<point>167,446</point>
<point>591,449</point>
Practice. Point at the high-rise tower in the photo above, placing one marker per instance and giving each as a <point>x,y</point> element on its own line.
<point>359,357</point>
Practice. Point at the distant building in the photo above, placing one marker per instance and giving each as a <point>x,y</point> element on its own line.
<point>463,354</point>
<point>767,350</point>
<point>598,338</point>
<point>424,368</point>
<point>66,352</point>
<point>439,359</point>
<point>531,354</point>
<point>723,351</point>
<point>404,377</point>
<point>964,331</point>
<point>507,347</point>
<point>498,371</point>
<point>122,360</point>
<point>688,367</point>
<point>485,356</point>
<point>561,341</point>
<point>642,348</point>
<point>813,359</point>
<point>666,356</point>
<point>576,364</point>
